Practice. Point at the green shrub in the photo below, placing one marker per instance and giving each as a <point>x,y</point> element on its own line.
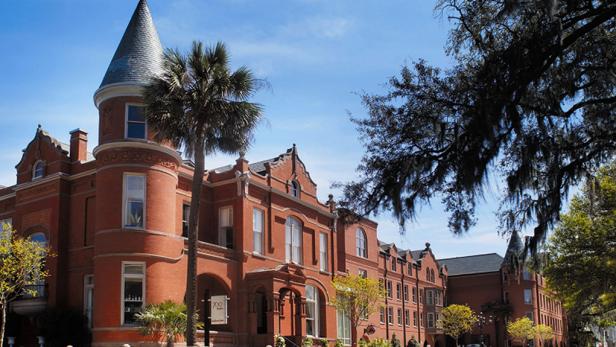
<point>166,320</point>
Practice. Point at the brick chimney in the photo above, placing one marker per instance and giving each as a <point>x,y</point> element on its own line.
<point>79,145</point>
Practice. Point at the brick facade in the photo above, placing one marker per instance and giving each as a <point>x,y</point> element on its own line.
<point>115,220</point>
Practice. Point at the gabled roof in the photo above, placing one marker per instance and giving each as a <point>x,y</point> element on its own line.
<point>472,264</point>
<point>139,54</point>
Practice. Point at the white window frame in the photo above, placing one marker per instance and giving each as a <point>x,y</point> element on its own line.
<point>415,319</point>
<point>390,315</point>
<point>361,243</point>
<point>323,252</point>
<point>405,293</point>
<point>34,166</point>
<point>145,122</point>
<point>398,290</point>
<point>382,315</point>
<point>390,289</point>
<point>394,264</point>
<point>407,317</point>
<point>125,200</point>
<point>399,316</point>
<point>430,319</point>
<point>316,319</point>
<point>88,286</point>
<point>132,276</point>
<point>258,232</point>
<point>345,334</point>
<point>222,229</point>
<point>362,273</point>
<point>289,244</point>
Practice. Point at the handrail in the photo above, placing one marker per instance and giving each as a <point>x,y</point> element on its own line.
<point>287,340</point>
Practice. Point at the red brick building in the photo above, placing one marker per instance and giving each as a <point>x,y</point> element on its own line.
<point>268,248</point>
<point>488,284</point>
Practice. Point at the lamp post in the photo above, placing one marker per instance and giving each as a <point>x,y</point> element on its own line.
<point>482,319</point>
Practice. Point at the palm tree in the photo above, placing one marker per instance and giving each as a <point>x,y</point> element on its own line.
<point>166,320</point>
<point>198,104</point>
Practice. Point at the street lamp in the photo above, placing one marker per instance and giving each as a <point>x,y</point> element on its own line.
<point>482,319</point>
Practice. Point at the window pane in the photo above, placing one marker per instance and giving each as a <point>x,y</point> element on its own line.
<point>136,113</point>
<point>185,217</point>
<point>134,216</point>
<point>133,300</point>
<point>135,130</point>
<point>133,269</point>
<point>135,187</point>
<point>257,228</point>
<point>323,251</point>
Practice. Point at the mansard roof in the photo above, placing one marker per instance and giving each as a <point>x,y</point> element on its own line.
<point>472,264</point>
<point>139,54</point>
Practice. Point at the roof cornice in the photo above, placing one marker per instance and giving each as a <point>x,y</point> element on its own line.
<point>117,90</point>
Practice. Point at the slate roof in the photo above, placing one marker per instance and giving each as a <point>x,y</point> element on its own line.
<point>416,254</point>
<point>472,264</point>
<point>515,248</point>
<point>139,54</point>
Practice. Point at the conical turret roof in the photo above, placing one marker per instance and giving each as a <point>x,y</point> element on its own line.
<point>514,250</point>
<point>139,55</point>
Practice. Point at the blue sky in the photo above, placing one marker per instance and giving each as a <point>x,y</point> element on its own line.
<point>316,55</point>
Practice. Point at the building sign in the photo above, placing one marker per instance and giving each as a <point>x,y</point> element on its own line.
<point>218,309</point>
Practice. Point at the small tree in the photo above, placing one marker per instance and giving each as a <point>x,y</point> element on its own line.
<point>165,320</point>
<point>543,332</point>
<point>456,320</point>
<point>521,330</point>
<point>357,298</point>
<point>22,266</point>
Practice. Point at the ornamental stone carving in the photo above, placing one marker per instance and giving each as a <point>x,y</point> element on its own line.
<point>135,156</point>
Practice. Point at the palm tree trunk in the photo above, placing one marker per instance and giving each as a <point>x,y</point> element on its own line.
<point>193,222</point>
<point>3,324</point>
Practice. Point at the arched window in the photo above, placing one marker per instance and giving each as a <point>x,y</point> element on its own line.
<point>361,243</point>
<point>38,169</point>
<point>295,188</point>
<point>312,311</point>
<point>293,241</point>
<point>432,275</point>
<point>39,238</point>
<point>428,278</point>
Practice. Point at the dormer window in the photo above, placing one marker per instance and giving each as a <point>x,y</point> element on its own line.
<point>135,122</point>
<point>295,189</point>
<point>38,170</point>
